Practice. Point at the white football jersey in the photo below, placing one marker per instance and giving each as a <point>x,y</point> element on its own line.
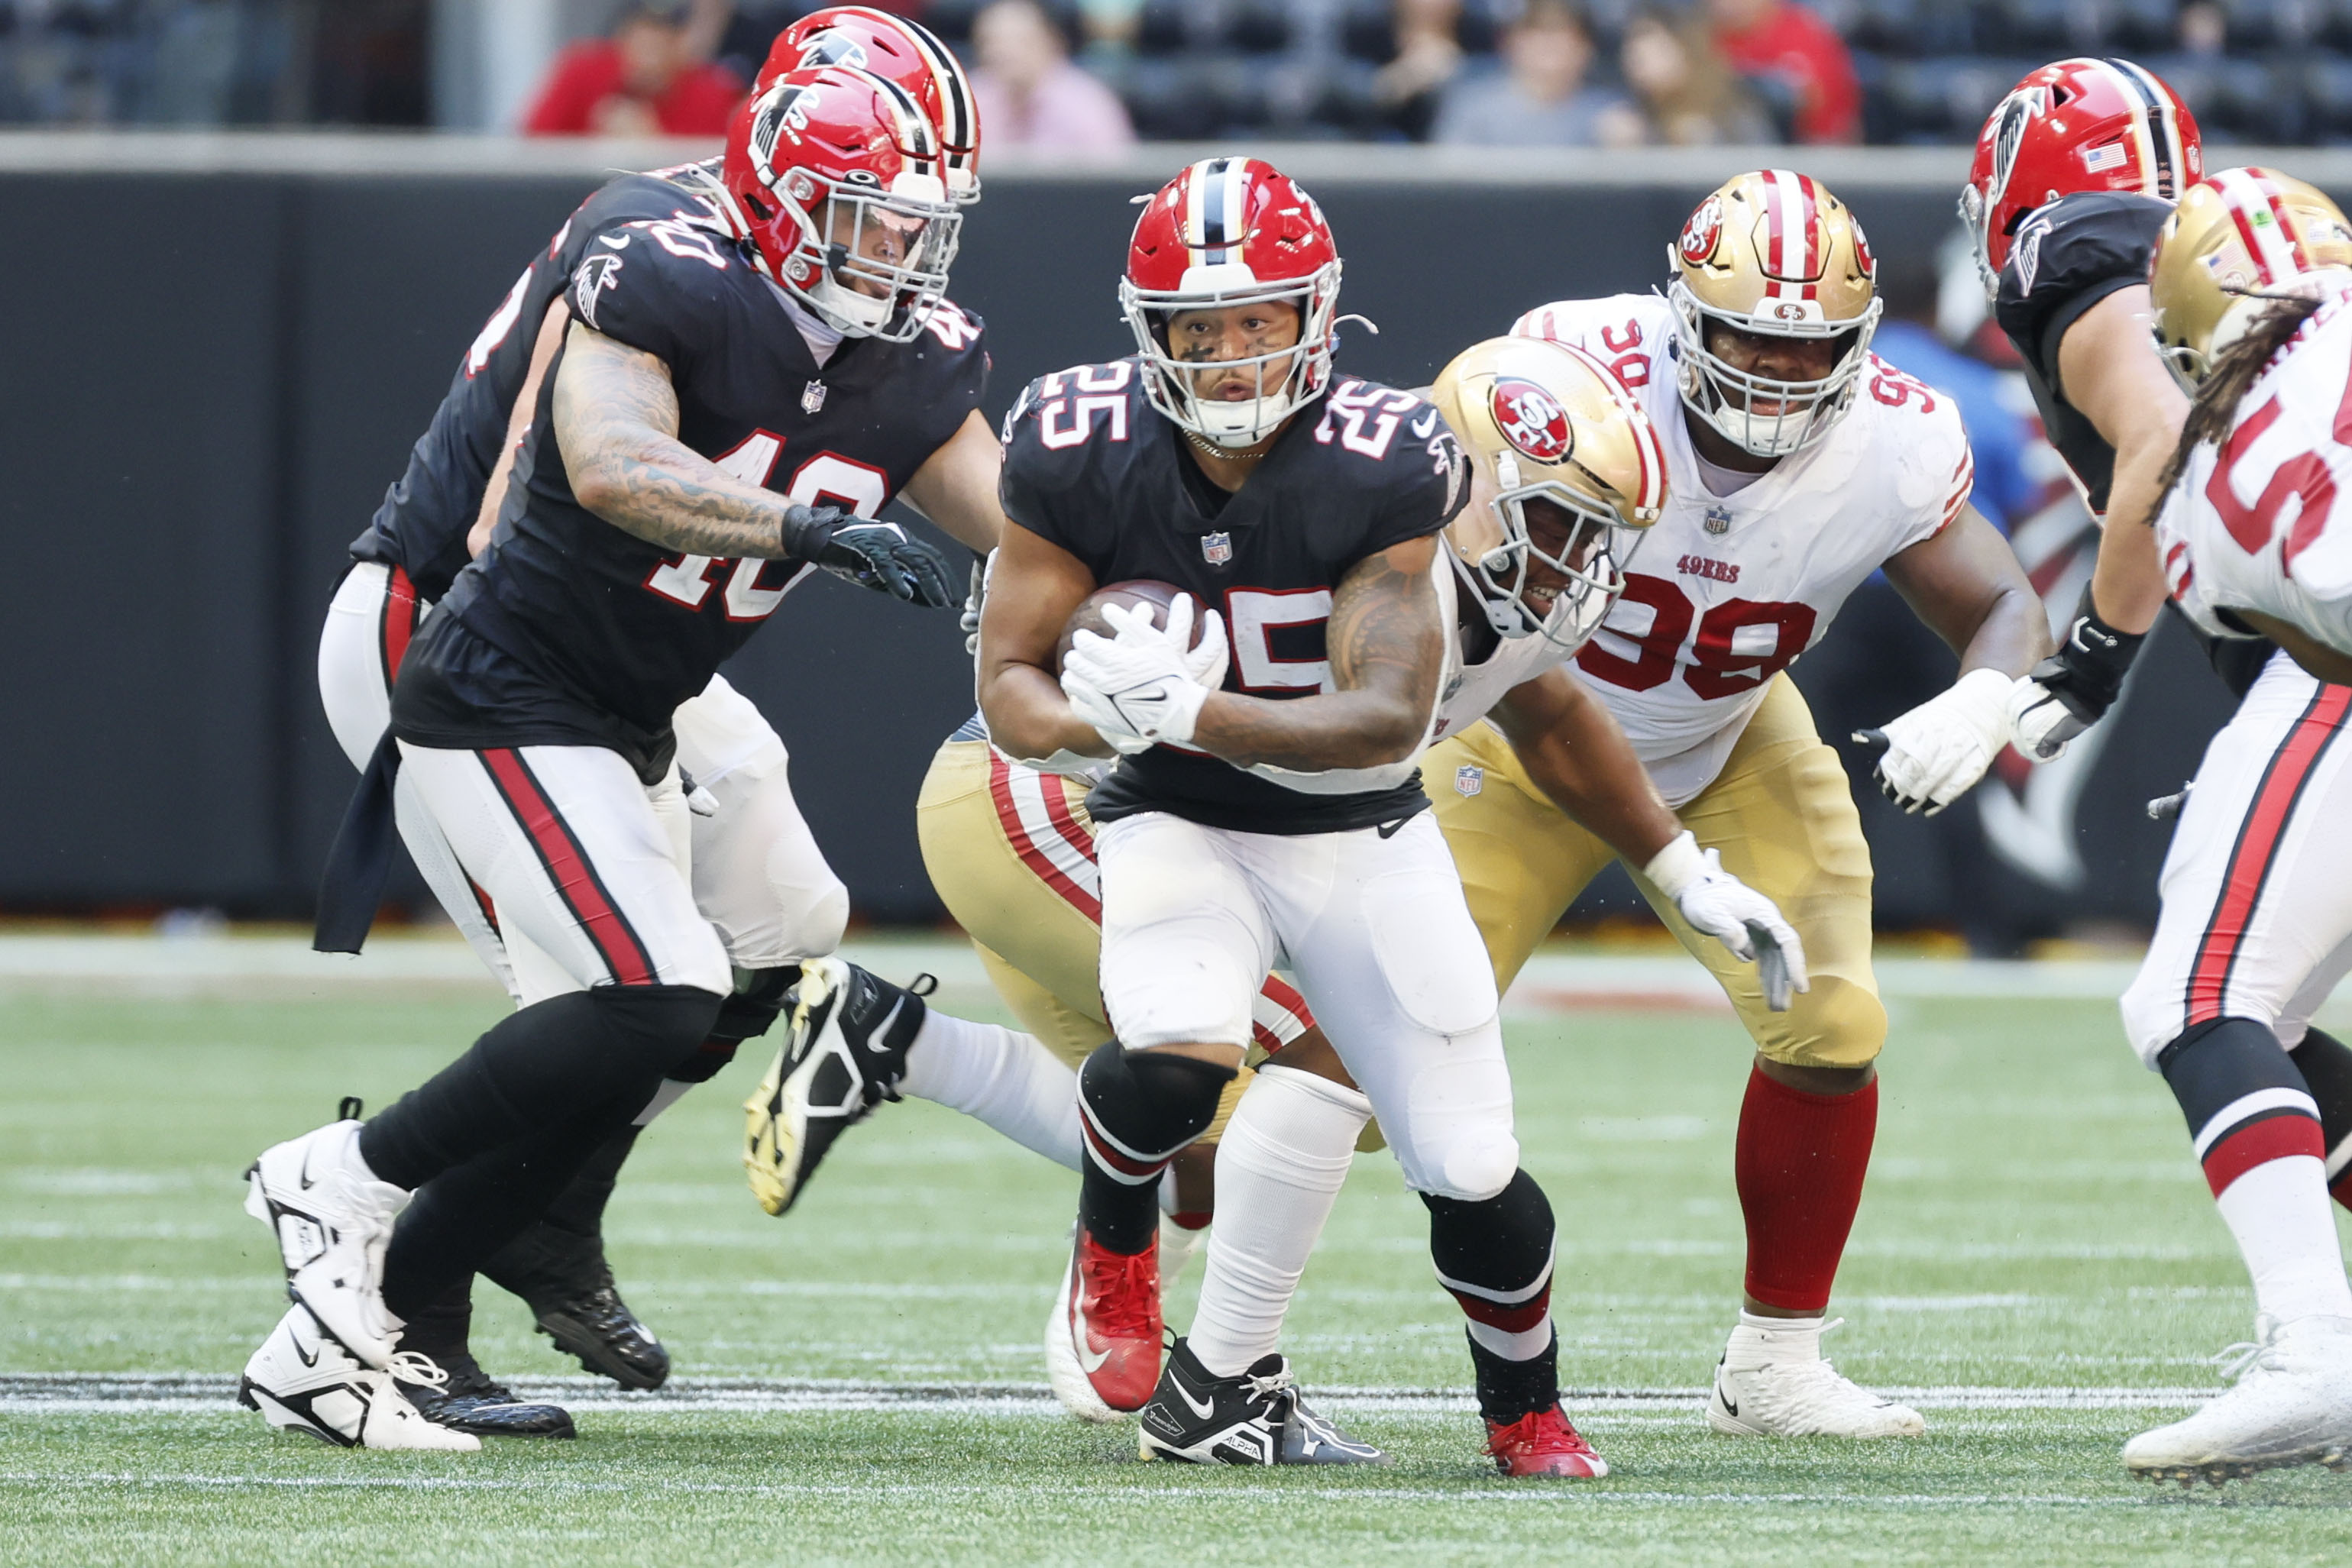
<point>2250,525</point>
<point>1725,591</point>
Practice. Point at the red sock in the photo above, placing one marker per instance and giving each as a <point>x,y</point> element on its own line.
<point>1800,1166</point>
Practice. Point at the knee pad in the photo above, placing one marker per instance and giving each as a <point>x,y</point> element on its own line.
<point>2326,1068</point>
<point>2229,1071</point>
<point>1145,1105</point>
<point>1836,1024</point>
<point>659,1028</point>
<point>1495,1254</point>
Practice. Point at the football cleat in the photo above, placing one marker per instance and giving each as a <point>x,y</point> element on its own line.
<point>1543,1443</point>
<point>565,1281</point>
<point>1259,1418</point>
<point>1773,1382</point>
<point>465,1398</point>
<point>1102,1343</point>
<point>2292,1405</point>
<point>332,1219</point>
<point>302,1380</point>
<point>846,1054</point>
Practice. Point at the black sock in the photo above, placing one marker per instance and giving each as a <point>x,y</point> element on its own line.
<point>441,1327</point>
<point>1138,1108</point>
<point>1495,1254</point>
<point>580,1207</point>
<point>538,1065</point>
<point>1511,1390</point>
<point>2325,1063</point>
<point>2216,1070</point>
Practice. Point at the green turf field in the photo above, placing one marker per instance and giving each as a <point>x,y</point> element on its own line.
<point>2037,1261</point>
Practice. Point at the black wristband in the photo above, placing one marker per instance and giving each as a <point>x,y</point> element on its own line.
<point>806,530</point>
<point>2087,672</point>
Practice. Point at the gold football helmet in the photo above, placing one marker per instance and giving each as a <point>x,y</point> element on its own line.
<point>1543,420</point>
<point>2238,239</point>
<point>1772,252</point>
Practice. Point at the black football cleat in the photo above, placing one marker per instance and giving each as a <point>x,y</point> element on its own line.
<point>564,1279</point>
<point>468,1400</point>
<point>1257,1418</point>
<point>847,1052</point>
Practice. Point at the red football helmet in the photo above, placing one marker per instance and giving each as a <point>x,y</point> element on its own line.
<point>837,175</point>
<point>1231,231</point>
<point>896,49</point>
<point>2077,125</point>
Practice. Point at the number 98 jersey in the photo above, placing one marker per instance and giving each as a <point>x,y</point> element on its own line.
<point>1090,466</point>
<point>1730,588</point>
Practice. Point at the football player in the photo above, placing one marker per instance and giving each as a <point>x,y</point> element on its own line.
<point>2251,285</point>
<point>652,523</point>
<point>1799,464</point>
<point>1265,797</point>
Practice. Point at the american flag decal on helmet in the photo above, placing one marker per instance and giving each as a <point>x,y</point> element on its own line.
<point>2164,166</point>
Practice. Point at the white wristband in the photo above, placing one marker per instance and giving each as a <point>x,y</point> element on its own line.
<point>1676,867</point>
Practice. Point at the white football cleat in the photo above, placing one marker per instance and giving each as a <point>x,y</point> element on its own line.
<point>332,1219</point>
<point>1773,1382</point>
<point>2292,1405</point>
<point>302,1380</point>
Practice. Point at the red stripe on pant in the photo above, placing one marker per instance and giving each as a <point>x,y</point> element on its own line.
<point>1517,1317</point>
<point>2278,1136</point>
<point>1016,833</point>
<point>397,624</point>
<point>567,865</point>
<point>2257,848</point>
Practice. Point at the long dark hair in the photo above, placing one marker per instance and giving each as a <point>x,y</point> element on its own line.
<point>2215,407</point>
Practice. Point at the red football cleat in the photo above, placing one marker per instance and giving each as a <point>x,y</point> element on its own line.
<point>1102,1344</point>
<point>1543,1444</point>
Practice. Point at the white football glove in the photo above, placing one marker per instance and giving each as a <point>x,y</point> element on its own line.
<point>970,620</point>
<point>1734,914</point>
<point>1144,685</point>
<point>1941,748</point>
<point>2042,723</point>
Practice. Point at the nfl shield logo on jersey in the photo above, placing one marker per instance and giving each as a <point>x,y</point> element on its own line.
<point>812,397</point>
<point>1469,780</point>
<point>1718,519</point>
<point>1216,548</point>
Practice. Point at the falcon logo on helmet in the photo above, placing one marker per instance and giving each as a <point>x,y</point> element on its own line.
<point>1230,231</point>
<point>2074,125</point>
<point>898,50</point>
<point>834,176</point>
<point>1789,261</point>
<point>1530,421</point>
<point>2238,241</point>
<point>1547,423</point>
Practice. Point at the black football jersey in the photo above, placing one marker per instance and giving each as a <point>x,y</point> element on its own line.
<point>1092,468</point>
<point>2065,258</point>
<point>607,632</point>
<point>422,526</point>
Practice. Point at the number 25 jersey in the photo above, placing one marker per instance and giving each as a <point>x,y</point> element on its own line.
<point>1726,590</point>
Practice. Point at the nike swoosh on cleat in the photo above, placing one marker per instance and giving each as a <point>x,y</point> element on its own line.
<point>1730,1406</point>
<point>306,1170</point>
<point>1089,1362</point>
<point>874,1040</point>
<point>1203,1408</point>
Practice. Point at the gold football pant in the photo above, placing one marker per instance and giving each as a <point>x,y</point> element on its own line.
<point>1783,818</point>
<point>1011,852</point>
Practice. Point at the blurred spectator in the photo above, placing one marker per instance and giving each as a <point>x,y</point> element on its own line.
<point>1792,48</point>
<point>1029,93</point>
<point>1684,93</point>
<point>2204,30</point>
<point>1407,90</point>
<point>647,77</point>
<point>1540,98</point>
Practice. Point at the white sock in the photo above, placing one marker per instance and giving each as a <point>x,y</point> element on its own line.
<point>2285,1226</point>
<point>1280,1165</point>
<point>1513,1344</point>
<point>996,1076</point>
<point>1759,1339</point>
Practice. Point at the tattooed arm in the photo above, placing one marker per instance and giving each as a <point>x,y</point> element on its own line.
<point>617,425</point>
<point>1387,647</point>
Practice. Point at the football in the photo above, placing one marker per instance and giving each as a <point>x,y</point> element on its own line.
<point>1088,615</point>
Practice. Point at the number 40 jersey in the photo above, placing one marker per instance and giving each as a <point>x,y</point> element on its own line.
<point>1730,588</point>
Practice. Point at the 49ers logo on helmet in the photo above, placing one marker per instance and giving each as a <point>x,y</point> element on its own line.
<point>1862,256</point>
<point>1530,420</point>
<point>1699,234</point>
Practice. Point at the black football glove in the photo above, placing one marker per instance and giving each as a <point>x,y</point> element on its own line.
<point>879,555</point>
<point>2072,690</point>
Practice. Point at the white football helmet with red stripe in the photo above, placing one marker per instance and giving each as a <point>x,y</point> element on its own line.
<point>1772,252</point>
<point>836,176</point>
<point>896,49</point>
<point>1545,421</point>
<point>1227,231</point>
<point>2239,240</point>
